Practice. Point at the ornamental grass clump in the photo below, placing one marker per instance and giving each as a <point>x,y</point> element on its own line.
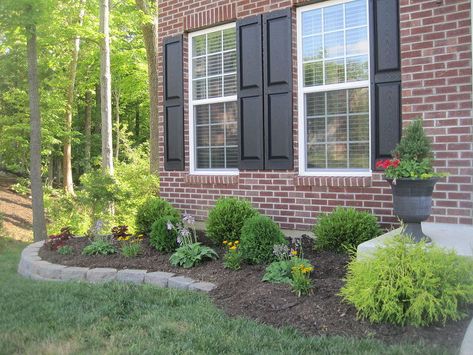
<point>151,210</point>
<point>258,237</point>
<point>344,229</point>
<point>226,219</point>
<point>407,283</point>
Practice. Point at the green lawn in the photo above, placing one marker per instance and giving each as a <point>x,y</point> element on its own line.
<point>50,318</point>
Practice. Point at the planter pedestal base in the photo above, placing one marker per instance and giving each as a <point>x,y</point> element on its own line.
<point>414,230</point>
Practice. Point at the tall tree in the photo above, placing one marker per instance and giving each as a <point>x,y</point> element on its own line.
<point>106,87</point>
<point>68,182</point>
<point>39,221</point>
<point>150,34</point>
<point>88,129</point>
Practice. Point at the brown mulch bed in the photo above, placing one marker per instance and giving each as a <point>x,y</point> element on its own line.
<point>242,293</point>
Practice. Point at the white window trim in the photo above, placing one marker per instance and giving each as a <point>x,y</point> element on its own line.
<point>301,91</point>
<point>192,103</point>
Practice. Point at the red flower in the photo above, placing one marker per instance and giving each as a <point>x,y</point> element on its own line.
<point>387,163</point>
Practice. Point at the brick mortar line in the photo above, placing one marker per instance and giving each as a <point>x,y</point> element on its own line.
<point>32,266</point>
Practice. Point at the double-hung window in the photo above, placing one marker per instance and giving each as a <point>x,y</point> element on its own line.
<point>212,103</point>
<point>333,67</point>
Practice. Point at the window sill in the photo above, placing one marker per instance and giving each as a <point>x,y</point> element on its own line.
<point>212,179</point>
<point>333,181</point>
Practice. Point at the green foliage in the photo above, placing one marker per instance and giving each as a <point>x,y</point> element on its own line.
<point>151,210</point>
<point>301,283</point>
<point>226,219</point>
<point>281,271</point>
<point>190,255</point>
<point>232,259</point>
<point>410,283</point>
<point>163,238</point>
<point>99,246</point>
<point>65,250</point>
<point>258,236</point>
<point>130,249</point>
<point>414,144</point>
<point>411,169</point>
<point>22,186</point>
<point>344,228</point>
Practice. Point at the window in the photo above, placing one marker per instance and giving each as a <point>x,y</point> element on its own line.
<point>333,67</point>
<point>212,103</point>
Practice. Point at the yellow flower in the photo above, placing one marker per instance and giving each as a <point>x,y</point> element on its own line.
<point>237,242</point>
<point>225,242</point>
<point>293,252</point>
<point>230,244</point>
<point>233,247</point>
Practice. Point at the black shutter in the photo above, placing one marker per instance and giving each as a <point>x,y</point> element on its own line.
<point>173,104</point>
<point>385,77</point>
<point>277,51</point>
<point>250,92</point>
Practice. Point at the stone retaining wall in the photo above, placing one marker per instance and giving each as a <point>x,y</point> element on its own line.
<point>32,266</point>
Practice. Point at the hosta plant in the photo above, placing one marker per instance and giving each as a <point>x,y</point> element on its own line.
<point>190,255</point>
<point>65,250</point>
<point>280,271</point>
<point>100,246</point>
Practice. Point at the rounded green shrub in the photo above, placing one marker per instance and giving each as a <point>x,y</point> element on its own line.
<point>227,218</point>
<point>258,236</point>
<point>344,228</point>
<point>163,238</point>
<point>405,283</point>
<point>151,210</point>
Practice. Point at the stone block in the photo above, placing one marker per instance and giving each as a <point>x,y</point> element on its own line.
<point>101,275</point>
<point>74,273</point>
<point>202,286</point>
<point>180,282</point>
<point>159,279</point>
<point>131,276</point>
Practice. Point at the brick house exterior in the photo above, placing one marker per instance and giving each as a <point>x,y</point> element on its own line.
<point>436,84</point>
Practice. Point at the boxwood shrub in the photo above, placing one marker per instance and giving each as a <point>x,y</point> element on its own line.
<point>258,236</point>
<point>344,228</point>
<point>405,283</point>
<point>162,238</point>
<point>226,219</point>
<point>151,210</point>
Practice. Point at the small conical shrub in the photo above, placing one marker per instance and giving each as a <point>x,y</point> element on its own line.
<point>414,144</point>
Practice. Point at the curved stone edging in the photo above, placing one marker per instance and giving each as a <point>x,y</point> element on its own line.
<point>33,267</point>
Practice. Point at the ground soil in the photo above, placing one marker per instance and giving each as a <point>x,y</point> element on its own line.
<point>242,293</point>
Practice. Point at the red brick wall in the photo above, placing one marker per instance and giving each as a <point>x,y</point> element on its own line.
<point>436,74</point>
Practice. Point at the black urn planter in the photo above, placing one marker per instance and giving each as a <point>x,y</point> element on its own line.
<point>412,203</point>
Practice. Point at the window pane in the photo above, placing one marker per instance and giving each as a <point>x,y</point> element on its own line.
<point>214,42</point>
<point>229,40</point>
<point>313,74</point>
<point>315,104</point>
<point>337,156</point>
<point>358,100</point>
<point>232,157</point>
<point>359,155</point>
<point>357,41</point>
<point>214,65</point>
<point>316,130</point>
<point>335,71</point>
<point>229,85</point>
<point>311,22</point>
<point>333,18</point>
<point>217,134</point>
<point>336,102</point>
<point>229,62</point>
<point>198,45</point>
<point>200,89</point>
<point>231,134</point>
<point>359,128</point>
<point>312,48</point>
<point>334,44</point>
<point>337,129</point>
<point>203,159</point>
<point>217,113</point>
<point>357,68</point>
<point>215,87</point>
<point>355,13</point>
<point>199,67</point>
<point>217,158</point>
<point>316,156</point>
<point>201,114</point>
<point>203,137</point>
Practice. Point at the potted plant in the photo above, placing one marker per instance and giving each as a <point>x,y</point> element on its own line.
<point>412,178</point>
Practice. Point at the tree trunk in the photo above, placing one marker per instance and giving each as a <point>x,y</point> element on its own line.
<point>68,183</point>
<point>150,36</point>
<point>137,123</point>
<point>39,221</point>
<point>106,88</point>
<point>117,123</point>
<point>88,128</point>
